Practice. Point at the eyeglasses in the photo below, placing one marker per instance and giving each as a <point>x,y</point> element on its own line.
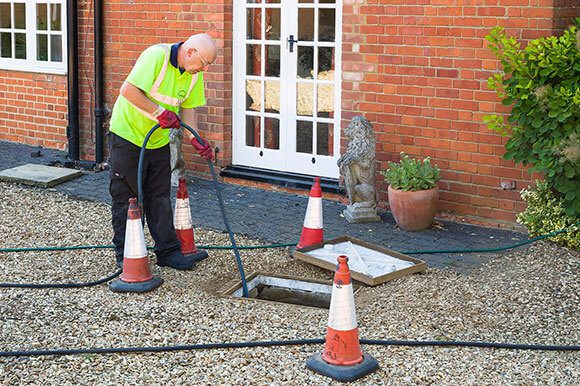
<point>203,62</point>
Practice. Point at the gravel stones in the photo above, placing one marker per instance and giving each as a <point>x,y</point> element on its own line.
<point>526,296</point>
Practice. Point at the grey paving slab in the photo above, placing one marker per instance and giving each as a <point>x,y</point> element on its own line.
<point>277,217</point>
<point>39,175</point>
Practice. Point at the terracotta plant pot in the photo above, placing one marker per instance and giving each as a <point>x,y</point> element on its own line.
<point>413,211</point>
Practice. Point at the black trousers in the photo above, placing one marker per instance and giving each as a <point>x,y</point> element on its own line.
<point>124,159</point>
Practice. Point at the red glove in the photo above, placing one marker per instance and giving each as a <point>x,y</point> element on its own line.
<point>203,150</point>
<point>169,120</point>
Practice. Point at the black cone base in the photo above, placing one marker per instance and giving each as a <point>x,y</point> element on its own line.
<point>342,373</point>
<point>144,286</point>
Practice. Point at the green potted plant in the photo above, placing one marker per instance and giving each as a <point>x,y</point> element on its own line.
<point>413,192</point>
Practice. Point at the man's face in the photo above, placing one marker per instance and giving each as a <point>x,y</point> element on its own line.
<point>196,62</point>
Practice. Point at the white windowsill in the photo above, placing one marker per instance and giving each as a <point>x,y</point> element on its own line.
<point>24,67</point>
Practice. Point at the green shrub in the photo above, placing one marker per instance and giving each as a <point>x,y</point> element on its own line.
<point>545,213</point>
<point>411,174</point>
<point>541,83</point>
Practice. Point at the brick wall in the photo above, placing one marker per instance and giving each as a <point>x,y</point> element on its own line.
<point>33,109</point>
<point>418,71</point>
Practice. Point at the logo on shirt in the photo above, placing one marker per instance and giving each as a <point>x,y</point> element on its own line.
<point>181,94</point>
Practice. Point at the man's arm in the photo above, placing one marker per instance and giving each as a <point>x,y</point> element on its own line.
<point>189,116</point>
<point>137,98</point>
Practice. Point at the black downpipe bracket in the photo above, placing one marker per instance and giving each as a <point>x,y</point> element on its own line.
<point>100,111</point>
<point>72,129</point>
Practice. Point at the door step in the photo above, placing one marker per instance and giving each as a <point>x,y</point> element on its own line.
<point>284,179</point>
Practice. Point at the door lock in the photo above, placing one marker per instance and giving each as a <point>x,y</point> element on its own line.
<point>291,42</point>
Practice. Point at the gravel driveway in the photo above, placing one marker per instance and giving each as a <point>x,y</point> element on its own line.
<point>528,296</point>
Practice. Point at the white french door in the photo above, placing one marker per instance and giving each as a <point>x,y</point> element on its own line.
<point>286,70</point>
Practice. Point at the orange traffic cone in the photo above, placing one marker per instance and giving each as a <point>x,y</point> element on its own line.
<point>312,230</point>
<point>183,224</point>
<point>136,276</point>
<point>342,358</point>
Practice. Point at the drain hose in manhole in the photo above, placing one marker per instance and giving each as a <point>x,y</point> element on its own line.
<point>217,190</point>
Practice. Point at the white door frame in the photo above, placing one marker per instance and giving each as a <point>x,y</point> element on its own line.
<point>285,158</point>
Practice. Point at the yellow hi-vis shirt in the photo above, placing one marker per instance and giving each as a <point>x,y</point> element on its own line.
<point>165,85</point>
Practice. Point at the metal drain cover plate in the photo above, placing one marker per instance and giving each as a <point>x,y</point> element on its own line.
<point>368,263</point>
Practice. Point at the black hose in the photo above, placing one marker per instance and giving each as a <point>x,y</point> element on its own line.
<point>217,189</point>
<point>272,343</point>
<point>63,285</point>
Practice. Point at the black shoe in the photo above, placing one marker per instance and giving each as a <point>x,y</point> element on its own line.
<point>177,261</point>
<point>119,263</point>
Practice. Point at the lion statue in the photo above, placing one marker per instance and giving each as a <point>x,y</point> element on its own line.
<point>358,167</point>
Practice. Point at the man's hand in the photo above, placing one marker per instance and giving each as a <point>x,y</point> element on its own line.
<point>203,150</point>
<point>169,120</point>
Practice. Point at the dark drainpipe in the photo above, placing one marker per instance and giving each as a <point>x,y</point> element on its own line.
<point>100,111</point>
<point>72,129</point>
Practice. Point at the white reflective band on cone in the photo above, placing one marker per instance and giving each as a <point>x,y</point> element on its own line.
<point>134,240</point>
<point>313,218</point>
<point>182,214</point>
<point>342,315</point>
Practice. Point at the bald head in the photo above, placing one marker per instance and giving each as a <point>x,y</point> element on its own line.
<point>197,53</point>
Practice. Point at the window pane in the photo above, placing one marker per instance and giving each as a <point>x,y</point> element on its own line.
<point>253,131</point>
<point>306,24</point>
<point>272,91</point>
<point>56,48</point>
<point>41,22</point>
<point>254,23</point>
<point>42,47</point>
<point>325,100</point>
<point>324,139</point>
<point>273,61</point>
<point>304,98</point>
<point>5,19</point>
<point>19,16</point>
<point>272,24</point>
<point>271,133</point>
<point>6,44</point>
<point>325,59</point>
<point>305,62</point>
<point>55,17</point>
<point>20,46</point>
<point>253,59</point>
<point>253,95</point>
<point>326,24</point>
<point>303,137</point>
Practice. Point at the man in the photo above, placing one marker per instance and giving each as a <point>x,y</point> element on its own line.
<point>165,86</point>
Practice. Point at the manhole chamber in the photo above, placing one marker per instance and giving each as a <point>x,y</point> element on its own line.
<point>285,289</point>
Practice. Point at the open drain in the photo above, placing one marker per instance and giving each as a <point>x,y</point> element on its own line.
<point>285,289</point>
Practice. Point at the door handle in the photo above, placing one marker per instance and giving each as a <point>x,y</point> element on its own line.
<point>291,42</point>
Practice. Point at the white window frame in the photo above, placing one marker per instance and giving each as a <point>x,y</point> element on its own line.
<point>31,64</point>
